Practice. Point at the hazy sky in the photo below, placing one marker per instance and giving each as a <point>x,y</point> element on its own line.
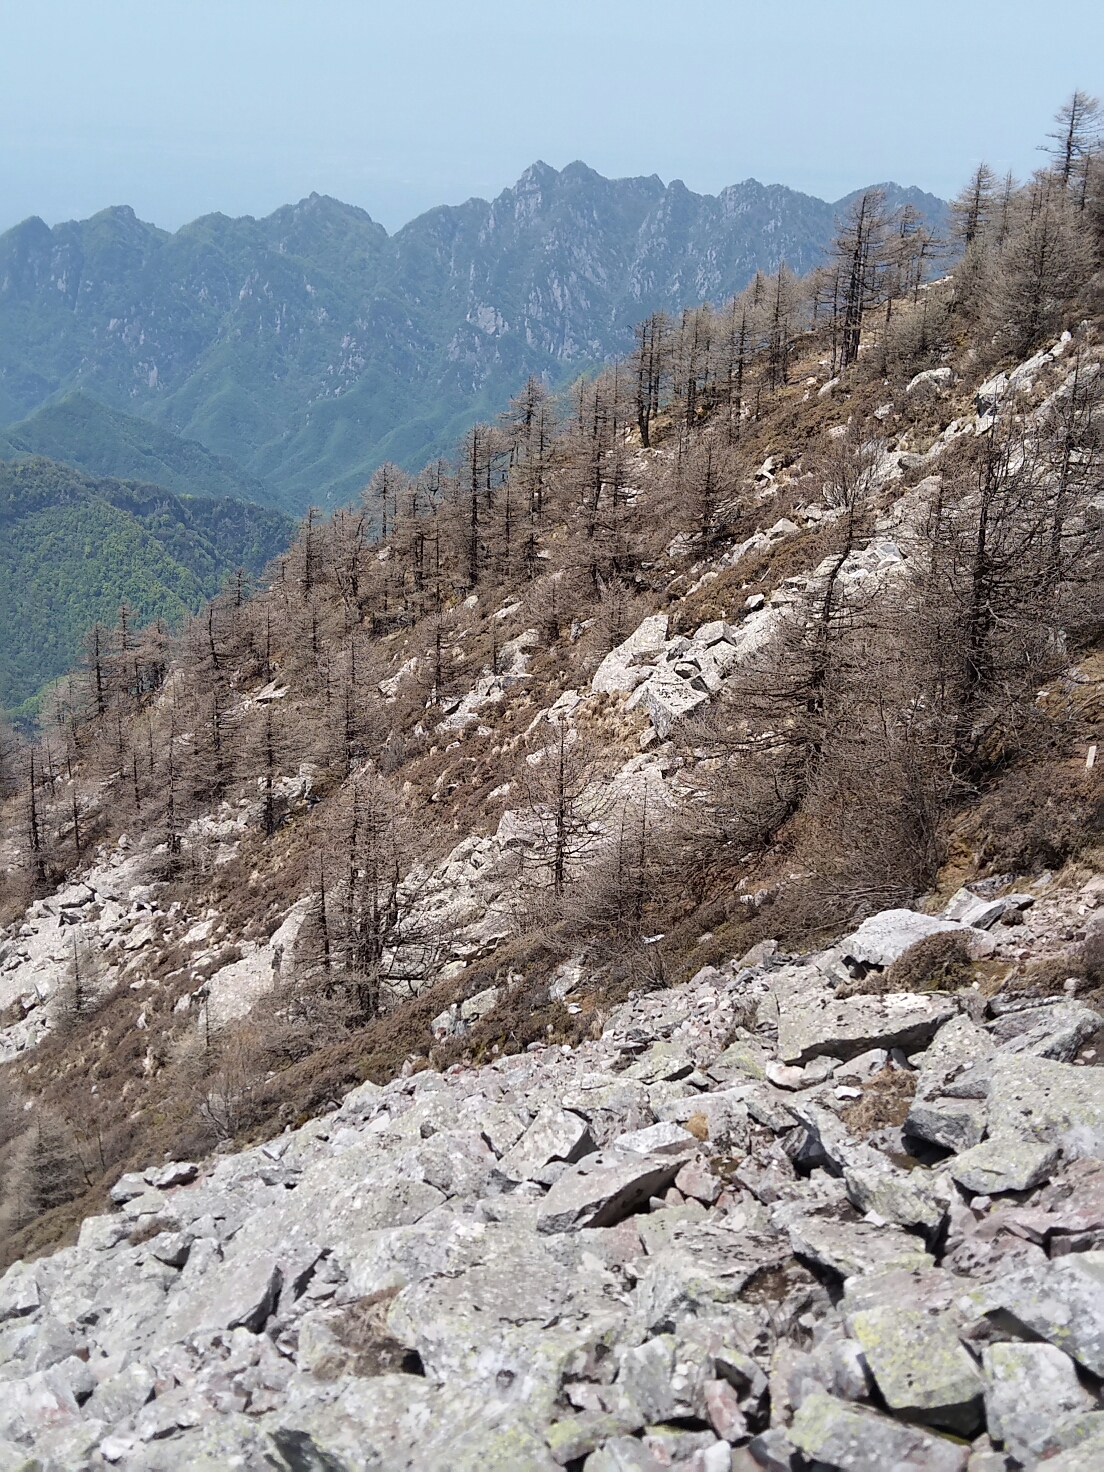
<point>180,107</point>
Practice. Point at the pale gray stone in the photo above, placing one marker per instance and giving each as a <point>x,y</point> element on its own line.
<point>175,1173</point>
<point>1061,1302</point>
<point>1057,1032</point>
<point>622,1454</point>
<point>1003,1163</point>
<point>921,1368</point>
<point>645,1376</point>
<point>852,1249</point>
<point>127,1187</point>
<point>19,1294</point>
<point>603,1188</point>
<point>124,1394</point>
<point>665,1138</point>
<point>555,1134</point>
<point>1027,1388</point>
<point>1052,1103</point>
<point>816,1022</point>
<point>956,1124</point>
<point>880,939</point>
<point>1087,1456</point>
<point>99,1233</point>
<point>856,1439</point>
<point>36,1404</point>
<point>171,1248</point>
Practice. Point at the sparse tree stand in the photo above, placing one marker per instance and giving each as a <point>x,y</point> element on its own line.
<point>652,365</point>
<point>1075,140</point>
<point>860,254</point>
<point>564,801</point>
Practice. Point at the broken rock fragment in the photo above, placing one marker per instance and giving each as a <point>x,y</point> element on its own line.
<point>603,1188</point>
<point>1028,1389</point>
<point>921,1368</point>
<point>555,1134</point>
<point>855,1439</point>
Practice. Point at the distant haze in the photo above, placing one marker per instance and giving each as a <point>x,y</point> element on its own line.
<point>189,106</point>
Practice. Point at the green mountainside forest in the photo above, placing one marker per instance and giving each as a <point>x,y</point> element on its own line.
<point>102,441</point>
<point>310,347</point>
<point>73,549</point>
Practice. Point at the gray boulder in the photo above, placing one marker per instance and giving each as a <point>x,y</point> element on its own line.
<point>555,1134</point>
<point>1028,1389</point>
<point>920,1366</point>
<point>1004,1163</point>
<point>880,939</point>
<point>1061,1302</point>
<point>19,1294</point>
<point>813,1022</point>
<point>1051,1103</point>
<point>855,1439</point>
<point>603,1188</point>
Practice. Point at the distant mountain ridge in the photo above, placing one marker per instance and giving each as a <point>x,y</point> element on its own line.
<point>310,346</point>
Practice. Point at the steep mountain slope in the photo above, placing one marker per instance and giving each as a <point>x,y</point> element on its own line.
<point>80,431</point>
<point>309,346</point>
<point>73,548</point>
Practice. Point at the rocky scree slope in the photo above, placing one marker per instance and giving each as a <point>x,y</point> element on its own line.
<point>310,346</point>
<point>790,1214</point>
<point>756,1224</point>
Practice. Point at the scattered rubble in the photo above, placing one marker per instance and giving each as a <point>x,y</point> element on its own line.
<point>666,1247</point>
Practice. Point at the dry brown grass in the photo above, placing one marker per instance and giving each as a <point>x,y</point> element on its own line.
<point>885,1101</point>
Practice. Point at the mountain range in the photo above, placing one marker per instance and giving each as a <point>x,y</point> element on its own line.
<point>306,348</point>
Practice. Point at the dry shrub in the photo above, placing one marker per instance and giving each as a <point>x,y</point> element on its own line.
<point>367,1345</point>
<point>938,963</point>
<point>885,1101</point>
<point>1039,816</point>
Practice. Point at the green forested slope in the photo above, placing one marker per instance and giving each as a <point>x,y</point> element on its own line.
<point>73,548</point>
<point>81,431</point>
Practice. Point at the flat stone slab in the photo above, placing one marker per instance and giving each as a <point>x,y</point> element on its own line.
<point>855,1439</point>
<point>921,1367</point>
<point>1004,1163</point>
<point>603,1188</point>
<point>853,1249</point>
<point>1057,1032</point>
<point>555,1134</point>
<point>1027,1387</point>
<point>1052,1103</point>
<point>815,1023</point>
<point>1061,1302</point>
<point>956,1124</point>
<point>880,939</point>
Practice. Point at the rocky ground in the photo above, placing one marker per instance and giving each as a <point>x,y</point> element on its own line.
<point>767,1220</point>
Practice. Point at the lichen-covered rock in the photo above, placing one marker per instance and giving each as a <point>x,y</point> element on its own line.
<point>856,1439</point>
<point>852,1249</point>
<point>603,1188</point>
<point>1052,1103</point>
<point>921,1368</point>
<point>1003,1163</point>
<point>813,1022</point>
<point>1061,1302</point>
<point>1029,1388</point>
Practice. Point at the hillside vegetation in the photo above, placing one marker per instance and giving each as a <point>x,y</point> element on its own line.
<point>309,347</point>
<point>597,961</point>
<point>74,550</point>
<point>104,442</point>
<point>792,616</point>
